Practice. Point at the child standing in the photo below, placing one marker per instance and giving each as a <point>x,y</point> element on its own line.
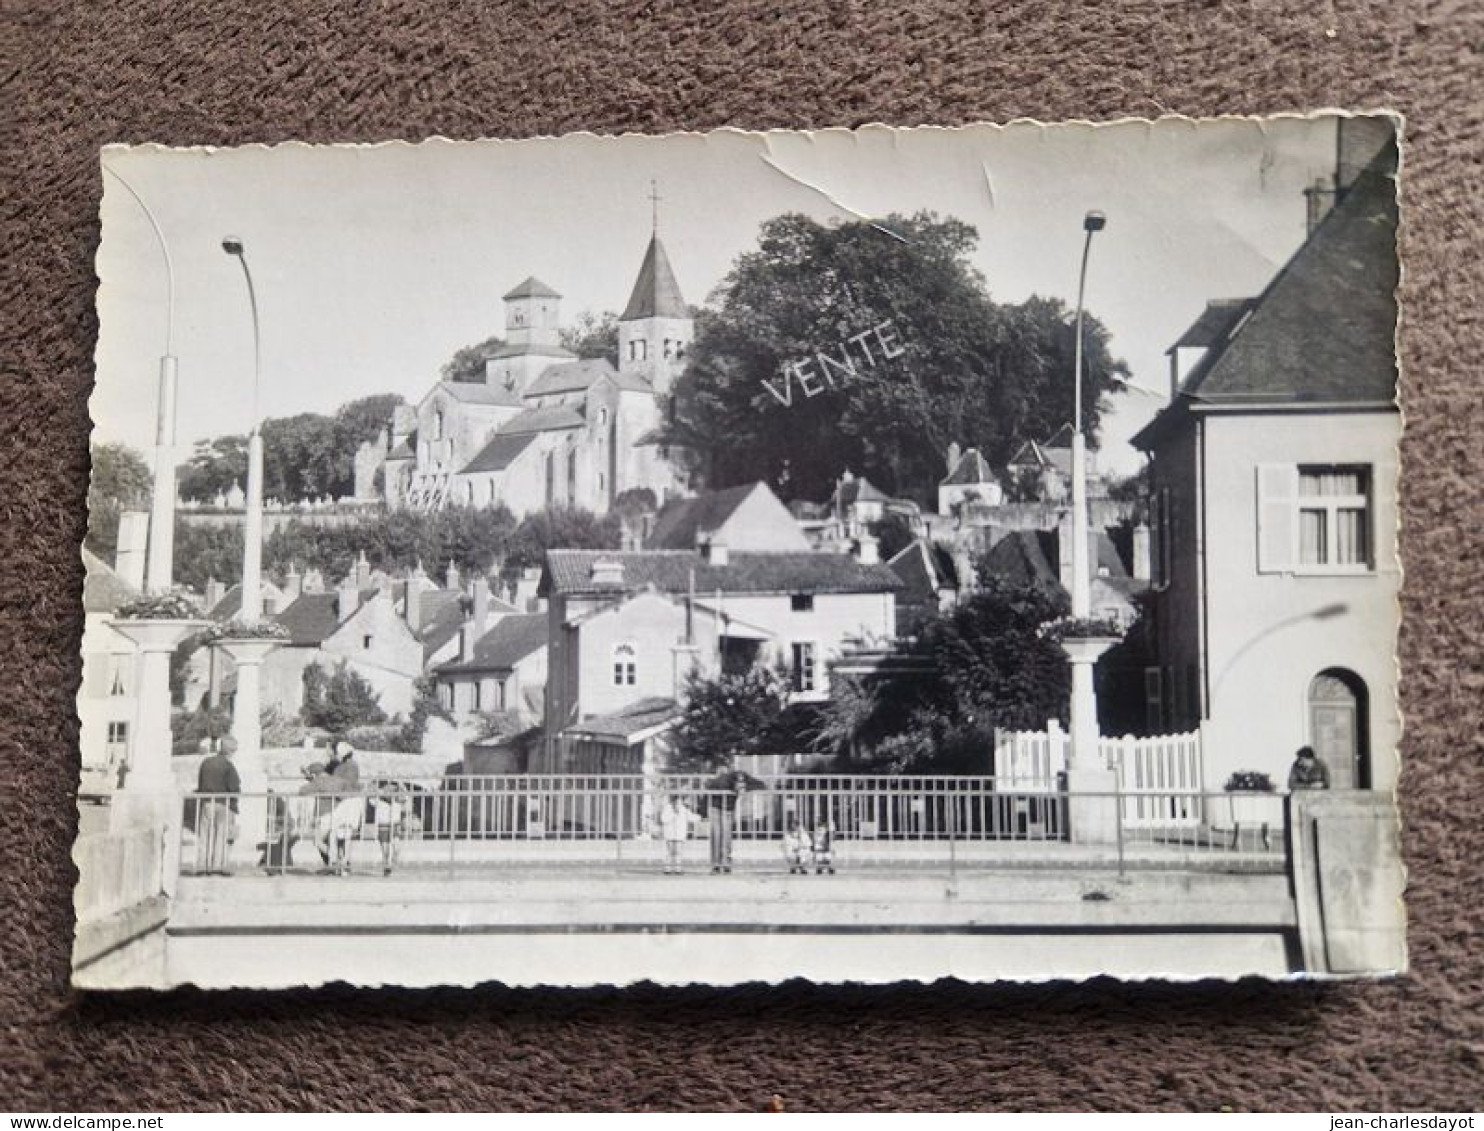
<point>675,821</point>
<point>823,847</point>
<point>390,813</point>
<point>796,848</point>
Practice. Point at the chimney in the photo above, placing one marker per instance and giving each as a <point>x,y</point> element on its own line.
<point>954,455</point>
<point>607,572</point>
<point>293,584</point>
<point>417,585</point>
<point>467,637</point>
<point>715,552</point>
<point>212,593</point>
<point>363,572</point>
<point>481,606</point>
<point>868,550</point>
<point>347,600</point>
<point>1141,552</point>
<point>133,536</point>
<point>528,582</point>
<point>451,579</point>
<point>963,568</point>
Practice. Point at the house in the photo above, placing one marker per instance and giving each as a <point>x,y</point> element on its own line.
<point>628,626</point>
<point>1274,477</point>
<point>749,517</point>
<point>545,427</point>
<point>502,668</point>
<point>930,583</point>
<point>844,524</point>
<point>107,699</point>
<point>969,479</point>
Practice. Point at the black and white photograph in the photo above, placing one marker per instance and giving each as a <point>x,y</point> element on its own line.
<point>862,555</point>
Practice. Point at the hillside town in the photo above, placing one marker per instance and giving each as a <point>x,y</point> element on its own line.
<point>1106,660</point>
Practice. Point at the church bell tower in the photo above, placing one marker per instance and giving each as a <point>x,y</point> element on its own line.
<point>655,328</point>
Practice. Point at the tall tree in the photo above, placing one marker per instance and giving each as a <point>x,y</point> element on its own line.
<point>213,467</point>
<point>121,481</point>
<point>883,337</point>
<point>593,336</point>
<point>467,364</point>
<point>568,528</point>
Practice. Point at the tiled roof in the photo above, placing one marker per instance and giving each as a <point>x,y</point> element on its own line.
<point>499,453</point>
<point>1214,323</point>
<point>400,452</point>
<point>229,606</point>
<point>921,571</point>
<point>656,293</point>
<point>477,392</point>
<point>310,619</point>
<point>681,520</point>
<point>440,614</point>
<point>638,716</point>
<point>531,287</point>
<point>103,590</point>
<point>1323,330</point>
<point>576,376</point>
<point>552,418</point>
<point>510,641</point>
<point>971,468</point>
<point>1019,559</point>
<point>671,571</point>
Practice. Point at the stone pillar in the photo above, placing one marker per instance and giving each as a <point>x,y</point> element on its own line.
<point>1345,855</point>
<point>247,728</point>
<point>1091,782</point>
<point>149,796</point>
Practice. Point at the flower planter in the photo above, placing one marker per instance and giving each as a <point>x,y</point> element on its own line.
<point>1254,809</point>
<point>1086,649</point>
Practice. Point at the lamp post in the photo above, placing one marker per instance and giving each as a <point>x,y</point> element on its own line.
<point>1081,582</point>
<point>160,560</point>
<point>1092,784</point>
<point>249,652</point>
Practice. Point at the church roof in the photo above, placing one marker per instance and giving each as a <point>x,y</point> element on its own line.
<point>656,294</point>
<point>500,452</point>
<point>531,287</point>
<point>679,523</point>
<point>550,418</point>
<point>576,376</point>
<point>400,452</point>
<point>1323,332</point>
<point>103,590</point>
<point>971,468</point>
<point>477,392</point>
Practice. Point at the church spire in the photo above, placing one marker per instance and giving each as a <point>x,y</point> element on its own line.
<point>656,294</point>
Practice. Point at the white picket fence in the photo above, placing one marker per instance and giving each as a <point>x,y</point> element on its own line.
<point>1160,776</point>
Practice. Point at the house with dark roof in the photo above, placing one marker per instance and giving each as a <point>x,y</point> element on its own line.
<point>500,666</point>
<point>748,517</point>
<point>626,626</point>
<point>1273,476</point>
<point>545,427</point>
<point>107,698</point>
<point>930,583</point>
<point>969,479</point>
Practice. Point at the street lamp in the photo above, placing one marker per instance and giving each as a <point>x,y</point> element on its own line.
<point>1081,581</point>
<point>252,531</point>
<point>161,553</point>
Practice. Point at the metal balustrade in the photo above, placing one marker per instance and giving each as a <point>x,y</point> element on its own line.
<point>595,819</point>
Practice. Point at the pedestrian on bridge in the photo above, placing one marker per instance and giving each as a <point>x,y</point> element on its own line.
<point>216,810</point>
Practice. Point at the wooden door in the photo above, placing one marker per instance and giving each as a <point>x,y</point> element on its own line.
<point>1337,729</point>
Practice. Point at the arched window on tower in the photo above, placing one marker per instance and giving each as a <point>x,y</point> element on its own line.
<point>669,349</point>
<point>572,476</point>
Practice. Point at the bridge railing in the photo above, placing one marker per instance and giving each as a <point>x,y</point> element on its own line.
<point>617,818</point>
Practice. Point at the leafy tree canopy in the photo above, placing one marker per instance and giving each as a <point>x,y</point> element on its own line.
<point>121,481</point>
<point>467,364</point>
<point>593,336</point>
<point>955,367</point>
<point>339,700</point>
<point>726,715</point>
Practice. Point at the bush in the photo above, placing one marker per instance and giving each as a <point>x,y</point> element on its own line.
<point>339,700</point>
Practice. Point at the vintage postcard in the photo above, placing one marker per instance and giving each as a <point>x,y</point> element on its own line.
<point>873,555</point>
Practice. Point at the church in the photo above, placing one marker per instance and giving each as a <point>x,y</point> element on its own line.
<point>545,428</point>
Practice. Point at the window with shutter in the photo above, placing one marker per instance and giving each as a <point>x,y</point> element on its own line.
<point>1277,517</point>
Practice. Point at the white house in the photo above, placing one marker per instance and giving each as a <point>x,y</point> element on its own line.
<point>1274,477</point>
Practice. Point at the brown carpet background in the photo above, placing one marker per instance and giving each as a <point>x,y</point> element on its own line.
<point>78,74</point>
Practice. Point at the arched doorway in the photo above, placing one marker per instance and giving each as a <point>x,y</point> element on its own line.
<point>1338,731</point>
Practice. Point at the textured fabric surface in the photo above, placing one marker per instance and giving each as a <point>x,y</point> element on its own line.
<point>82,73</point>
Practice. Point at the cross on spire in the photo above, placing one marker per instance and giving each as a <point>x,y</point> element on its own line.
<point>654,200</point>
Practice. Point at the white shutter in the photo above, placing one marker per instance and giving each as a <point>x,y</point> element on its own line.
<point>1277,517</point>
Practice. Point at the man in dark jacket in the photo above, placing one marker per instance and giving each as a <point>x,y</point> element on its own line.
<point>722,793</point>
<point>218,783</point>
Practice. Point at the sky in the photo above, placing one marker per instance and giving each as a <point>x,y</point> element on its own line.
<point>373,264</point>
